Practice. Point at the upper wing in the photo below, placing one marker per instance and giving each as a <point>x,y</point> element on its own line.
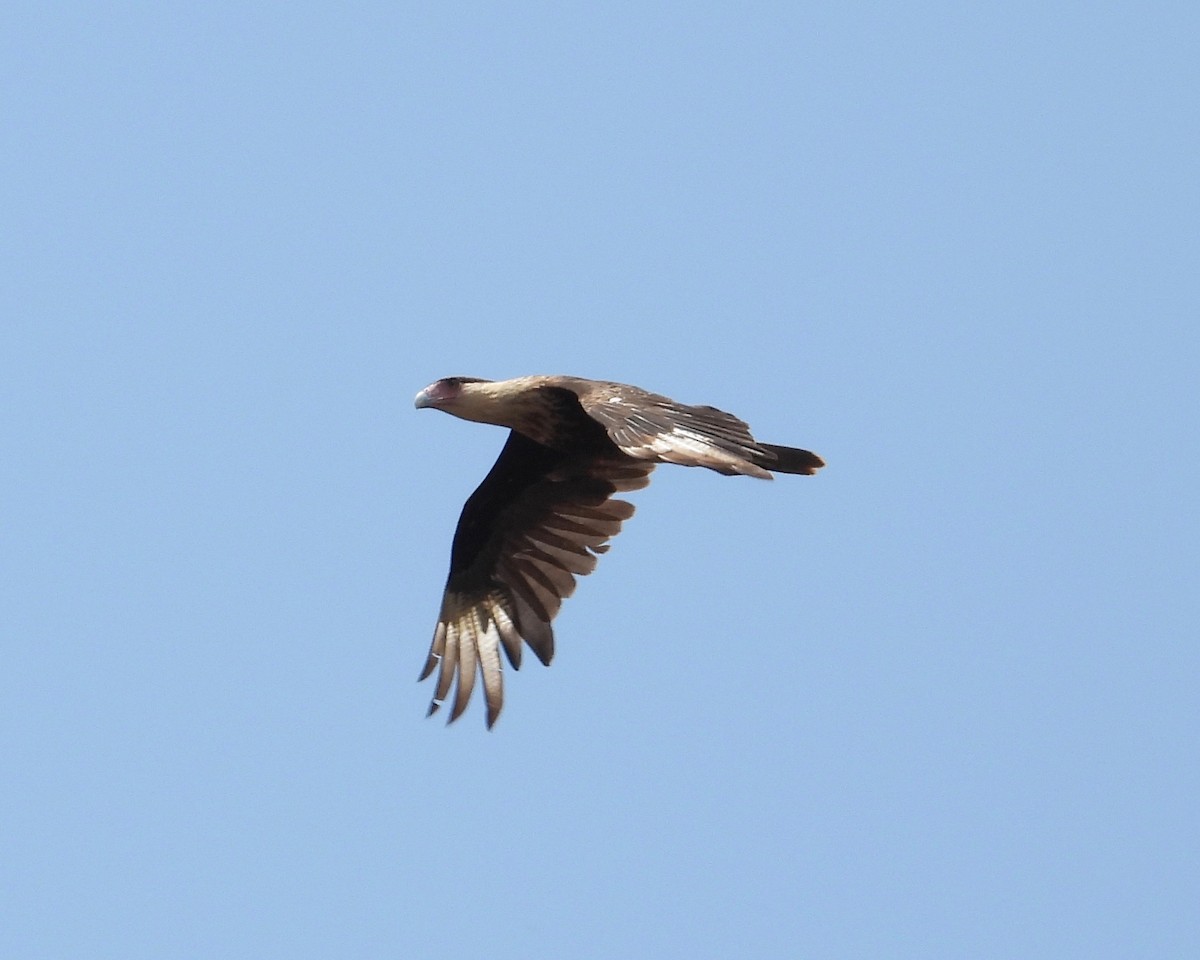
<point>536,522</point>
<point>653,427</point>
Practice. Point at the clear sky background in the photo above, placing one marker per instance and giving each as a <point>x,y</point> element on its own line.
<point>939,701</point>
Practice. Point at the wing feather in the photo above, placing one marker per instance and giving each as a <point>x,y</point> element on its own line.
<point>535,630</point>
<point>539,520</point>
<point>579,563</point>
<point>528,582</point>
<point>436,649</point>
<point>509,636</point>
<point>652,427</point>
<point>468,661</point>
<point>449,663</point>
<point>491,671</point>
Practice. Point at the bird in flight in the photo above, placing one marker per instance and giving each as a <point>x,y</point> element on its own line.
<point>545,510</point>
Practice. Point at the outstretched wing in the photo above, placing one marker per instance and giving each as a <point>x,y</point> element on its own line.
<point>538,520</point>
<point>649,426</point>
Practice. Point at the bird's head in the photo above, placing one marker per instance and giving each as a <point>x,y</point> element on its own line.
<point>460,396</point>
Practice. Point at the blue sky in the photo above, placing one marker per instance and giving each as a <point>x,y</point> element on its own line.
<point>940,701</point>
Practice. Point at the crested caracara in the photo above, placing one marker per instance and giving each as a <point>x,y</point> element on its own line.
<point>545,510</point>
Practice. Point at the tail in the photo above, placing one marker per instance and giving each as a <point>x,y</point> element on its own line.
<point>789,460</point>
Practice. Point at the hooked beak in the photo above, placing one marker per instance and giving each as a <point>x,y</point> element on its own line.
<point>423,399</point>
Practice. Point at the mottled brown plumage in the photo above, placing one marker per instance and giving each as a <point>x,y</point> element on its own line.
<point>545,511</point>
